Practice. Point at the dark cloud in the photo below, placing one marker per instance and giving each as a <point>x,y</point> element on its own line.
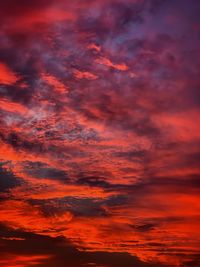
<point>7,179</point>
<point>98,180</point>
<point>113,18</point>
<point>195,261</point>
<point>87,207</point>
<point>156,5</point>
<point>16,94</point>
<point>43,171</point>
<point>18,142</point>
<point>61,252</point>
<point>144,227</point>
<point>132,155</point>
<point>19,7</point>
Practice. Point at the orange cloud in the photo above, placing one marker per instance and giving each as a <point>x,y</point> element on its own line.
<point>94,47</point>
<point>107,62</point>
<point>57,85</point>
<point>7,76</point>
<point>181,125</point>
<point>12,106</point>
<point>85,75</point>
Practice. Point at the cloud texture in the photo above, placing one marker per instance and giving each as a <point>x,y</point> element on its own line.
<point>99,133</point>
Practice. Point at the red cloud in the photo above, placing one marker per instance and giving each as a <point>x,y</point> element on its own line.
<point>7,76</point>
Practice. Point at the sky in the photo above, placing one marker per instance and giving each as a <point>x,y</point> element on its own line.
<point>99,133</point>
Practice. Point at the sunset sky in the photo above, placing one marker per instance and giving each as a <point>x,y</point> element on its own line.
<point>99,133</point>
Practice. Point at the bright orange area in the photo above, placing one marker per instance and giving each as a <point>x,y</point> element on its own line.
<point>12,107</point>
<point>7,76</point>
<point>107,62</point>
<point>85,75</point>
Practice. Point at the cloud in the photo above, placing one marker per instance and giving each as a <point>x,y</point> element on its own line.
<point>107,62</point>
<point>84,75</point>
<point>7,76</point>
<point>99,103</point>
<point>7,179</point>
<point>43,171</point>
<point>47,251</point>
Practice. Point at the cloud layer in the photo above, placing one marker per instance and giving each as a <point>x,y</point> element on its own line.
<point>99,133</point>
